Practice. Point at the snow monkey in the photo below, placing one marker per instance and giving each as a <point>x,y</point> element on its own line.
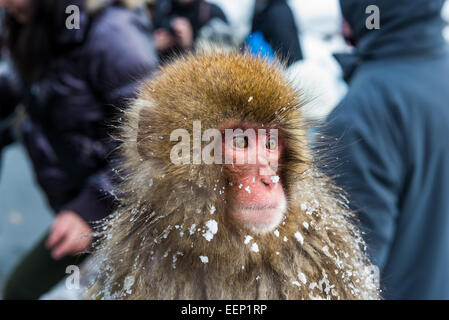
<point>187,228</point>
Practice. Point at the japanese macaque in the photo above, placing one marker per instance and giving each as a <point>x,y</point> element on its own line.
<point>270,228</point>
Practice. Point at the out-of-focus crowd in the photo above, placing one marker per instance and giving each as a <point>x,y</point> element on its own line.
<point>66,74</point>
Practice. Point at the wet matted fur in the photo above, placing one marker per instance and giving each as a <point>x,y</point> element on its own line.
<point>155,245</point>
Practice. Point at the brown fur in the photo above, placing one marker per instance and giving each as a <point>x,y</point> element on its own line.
<point>148,251</point>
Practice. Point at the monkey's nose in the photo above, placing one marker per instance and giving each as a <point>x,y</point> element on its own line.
<point>267,182</point>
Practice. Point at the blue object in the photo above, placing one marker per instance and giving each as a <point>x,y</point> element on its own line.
<point>257,45</point>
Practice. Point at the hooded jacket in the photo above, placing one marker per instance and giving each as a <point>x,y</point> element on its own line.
<point>67,132</point>
<point>275,20</point>
<point>390,141</point>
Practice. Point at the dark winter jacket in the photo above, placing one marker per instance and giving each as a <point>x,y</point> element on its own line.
<point>67,130</point>
<point>391,135</point>
<point>275,20</point>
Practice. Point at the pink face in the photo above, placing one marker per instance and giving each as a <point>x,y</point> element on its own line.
<point>257,199</point>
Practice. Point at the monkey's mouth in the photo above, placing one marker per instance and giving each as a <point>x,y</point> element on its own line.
<point>256,208</point>
<point>261,218</point>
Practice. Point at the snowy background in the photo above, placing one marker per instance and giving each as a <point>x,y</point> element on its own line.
<point>24,215</point>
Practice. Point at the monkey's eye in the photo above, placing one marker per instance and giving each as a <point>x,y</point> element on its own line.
<point>241,142</point>
<point>271,144</point>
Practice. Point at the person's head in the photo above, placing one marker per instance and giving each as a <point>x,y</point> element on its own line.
<point>403,24</point>
<point>19,9</point>
<point>32,30</point>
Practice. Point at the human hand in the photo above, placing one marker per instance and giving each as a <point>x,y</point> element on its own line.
<point>163,40</point>
<point>183,32</point>
<point>69,235</point>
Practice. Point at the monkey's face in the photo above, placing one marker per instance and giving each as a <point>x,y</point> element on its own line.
<point>255,193</point>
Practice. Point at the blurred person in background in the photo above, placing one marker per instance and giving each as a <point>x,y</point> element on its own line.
<point>71,83</point>
<point>178,23</point>
<point>391,143</point>
<point>274,30</point>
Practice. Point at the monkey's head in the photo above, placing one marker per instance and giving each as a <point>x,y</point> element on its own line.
<point>220,191</point>
<point>227,131</point>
